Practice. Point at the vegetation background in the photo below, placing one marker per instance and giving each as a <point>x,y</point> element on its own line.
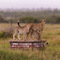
<point>30,16</point>
<point>51,34</point>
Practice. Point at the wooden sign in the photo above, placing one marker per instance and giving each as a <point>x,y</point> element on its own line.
<point>26,44</point>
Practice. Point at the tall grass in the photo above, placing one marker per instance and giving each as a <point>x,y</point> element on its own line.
<point>51,34</point>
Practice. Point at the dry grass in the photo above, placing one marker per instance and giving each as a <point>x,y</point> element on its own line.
<point>51,34</point>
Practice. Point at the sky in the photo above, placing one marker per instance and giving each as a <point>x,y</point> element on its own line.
<point>18,4</point>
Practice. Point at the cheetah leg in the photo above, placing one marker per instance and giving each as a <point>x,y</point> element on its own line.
<point>14,35</point>
<point>19,36</point>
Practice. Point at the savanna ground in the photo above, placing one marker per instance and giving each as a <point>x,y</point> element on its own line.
<point>51,34</point>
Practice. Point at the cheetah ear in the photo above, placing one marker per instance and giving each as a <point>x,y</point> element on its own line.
<point>44,20</point>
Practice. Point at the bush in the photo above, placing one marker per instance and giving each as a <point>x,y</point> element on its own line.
<point>28,20</point>
<point>5,35</point>
<point>2,34</point>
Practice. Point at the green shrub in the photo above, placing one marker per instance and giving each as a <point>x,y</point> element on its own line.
<point>58,33</point>
<point>2,34</point>
<point>29,20</point>
<point>5,35</point>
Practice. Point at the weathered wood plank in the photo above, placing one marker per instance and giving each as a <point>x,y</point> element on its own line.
<point>27,41</point>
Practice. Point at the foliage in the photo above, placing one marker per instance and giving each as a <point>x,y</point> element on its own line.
<point>2,20</point>
<point>28,20</point>
<point>5,34</point>
<point>2,34</point>
<point>52,16</point>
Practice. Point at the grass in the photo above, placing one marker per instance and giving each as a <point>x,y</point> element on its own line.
<point>51,34</point>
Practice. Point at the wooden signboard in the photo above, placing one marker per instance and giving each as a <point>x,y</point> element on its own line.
<point>26,44</point>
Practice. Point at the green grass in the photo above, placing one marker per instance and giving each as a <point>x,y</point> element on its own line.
<point>58,33</point>
<point>51,34</point>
